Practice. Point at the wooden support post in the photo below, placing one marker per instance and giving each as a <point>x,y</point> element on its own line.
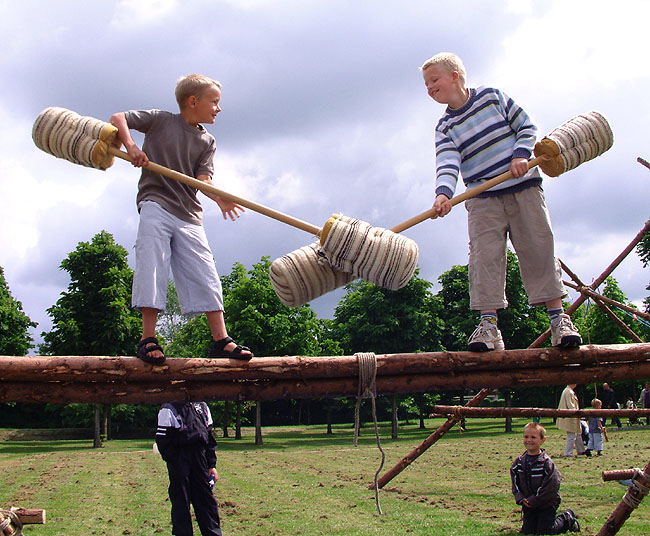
<point>622,474</point>
<point>598,281</point>
<point>464,411</point>
<point>632,498</point>
<point>535,344</point>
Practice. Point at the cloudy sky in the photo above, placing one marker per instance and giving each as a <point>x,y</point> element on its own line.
<point>324,110</point>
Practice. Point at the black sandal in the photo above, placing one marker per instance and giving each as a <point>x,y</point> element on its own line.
<point>153,345</point>
<point>217,350</point>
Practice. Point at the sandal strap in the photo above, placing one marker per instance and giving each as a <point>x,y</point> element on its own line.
<point>148,340</point>
<point>221,343</point>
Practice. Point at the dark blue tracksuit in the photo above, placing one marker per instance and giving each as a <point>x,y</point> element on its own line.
<point>185,441</point>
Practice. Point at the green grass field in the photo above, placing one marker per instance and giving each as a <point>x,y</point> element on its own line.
<point>305,482</point>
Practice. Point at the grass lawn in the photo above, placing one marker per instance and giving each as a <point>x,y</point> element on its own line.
<point>305,482</point>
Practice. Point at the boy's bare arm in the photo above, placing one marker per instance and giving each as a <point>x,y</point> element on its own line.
<point>228,208</point>
<point>138,158</point>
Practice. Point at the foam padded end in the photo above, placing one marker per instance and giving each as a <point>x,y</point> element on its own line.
<point>302,275</point>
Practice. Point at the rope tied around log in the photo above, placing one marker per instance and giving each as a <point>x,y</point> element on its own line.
<point>9,520</point>
<point>638,490</point>
<point>368,389</point>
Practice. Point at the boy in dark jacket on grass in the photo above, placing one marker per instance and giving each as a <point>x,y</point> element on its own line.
<point>536,486</point>
<point>185,441</point>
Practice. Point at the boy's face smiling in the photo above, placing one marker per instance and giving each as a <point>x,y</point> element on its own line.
<point>532,441</point>
<point>204,109</point>
<point>443,86</point>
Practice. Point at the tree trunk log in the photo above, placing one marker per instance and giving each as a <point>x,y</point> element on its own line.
<point>621,474</point>
<point>173,390</point>
<point>130,369</point>
<point>464,411</point>
<point>631,499</point>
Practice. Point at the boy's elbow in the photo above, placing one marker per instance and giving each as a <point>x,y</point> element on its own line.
<point>116,119</point>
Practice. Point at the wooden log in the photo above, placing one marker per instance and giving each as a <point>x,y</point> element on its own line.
<point>464,411</point>
<point>598,281</point>
<point>621,474</point>
<point>165,391</point>
<point>631,500</point>
<point>29,516</point>
<point>131,369</point>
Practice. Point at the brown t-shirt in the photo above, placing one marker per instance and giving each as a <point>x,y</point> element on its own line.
<point>173,143</point>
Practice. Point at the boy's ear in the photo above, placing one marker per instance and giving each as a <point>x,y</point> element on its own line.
<point>455,75</point>
<point>191,101</point>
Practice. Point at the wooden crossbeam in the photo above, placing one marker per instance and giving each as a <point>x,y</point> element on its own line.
<point>129,380</point>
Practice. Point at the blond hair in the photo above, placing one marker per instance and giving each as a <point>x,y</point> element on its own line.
<point>596,401</point>
<point>538,427</point>
<point>193,84</point>
<point>449,61</point>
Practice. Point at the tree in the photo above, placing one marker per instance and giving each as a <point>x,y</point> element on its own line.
<point>370,318</point>
<point>599,328</point>
<point>94,316</point>
<point>14,323</point>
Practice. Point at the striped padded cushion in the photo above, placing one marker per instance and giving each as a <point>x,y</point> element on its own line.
<point>301,276</point>
<point>579,140</point>
<point>378,255</point>
<point>81,140</point>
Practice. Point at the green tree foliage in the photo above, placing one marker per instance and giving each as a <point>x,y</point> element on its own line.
<point>255,317</point>
<point>14,323</point>
<point>94,316</point>
<point>597,327</point>
<point>643,250</point>
<point>520,324</point>
<point>370,318</point>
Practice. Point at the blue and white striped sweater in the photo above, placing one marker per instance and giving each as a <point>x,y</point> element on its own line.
<point>480,139</point>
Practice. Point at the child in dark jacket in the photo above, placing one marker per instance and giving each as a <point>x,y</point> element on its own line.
<point>536,485</point>
<point>185,441</point>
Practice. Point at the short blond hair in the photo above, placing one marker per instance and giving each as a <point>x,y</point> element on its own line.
<point>537,426</point>
<point>448,61</point>
<point>596,401</point>
<point>193,84</point>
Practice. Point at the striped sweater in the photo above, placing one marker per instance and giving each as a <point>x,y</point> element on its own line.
<point>537,479</point>
<point>480,139</point>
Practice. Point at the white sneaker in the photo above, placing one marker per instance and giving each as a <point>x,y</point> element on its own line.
<point>564,333</point>
<point>485,337</point>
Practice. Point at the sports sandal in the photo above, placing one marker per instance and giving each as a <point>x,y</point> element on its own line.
<point>150,344</point>
<point>217,350</point>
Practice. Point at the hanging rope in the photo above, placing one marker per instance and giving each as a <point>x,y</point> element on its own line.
<point>368,389</point>
<point>9,519</point>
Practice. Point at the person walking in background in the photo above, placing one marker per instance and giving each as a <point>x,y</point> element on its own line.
<point>571,425</point>
<point>596,430</point>
<point>609,402</point>
<point>644,400</point>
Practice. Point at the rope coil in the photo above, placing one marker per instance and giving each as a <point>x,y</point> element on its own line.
<point>368,389</point>
<point>638,490</point>
<point>9,519</point>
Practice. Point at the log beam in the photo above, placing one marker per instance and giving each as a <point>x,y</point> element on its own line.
<point>464,411</point>
<point>131,369</point>
<point>165,391</point>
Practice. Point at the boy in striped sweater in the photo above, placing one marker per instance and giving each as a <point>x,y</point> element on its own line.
<point>482,134</point>
<point>536,487</point>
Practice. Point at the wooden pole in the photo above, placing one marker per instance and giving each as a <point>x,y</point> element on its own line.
<point>84,369</point>
<point>621,474</point>
<point>594,295</point>
<point>598,281</point>
<point>631,500</point>
<point>464,411</point>
<point>132,392</point>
